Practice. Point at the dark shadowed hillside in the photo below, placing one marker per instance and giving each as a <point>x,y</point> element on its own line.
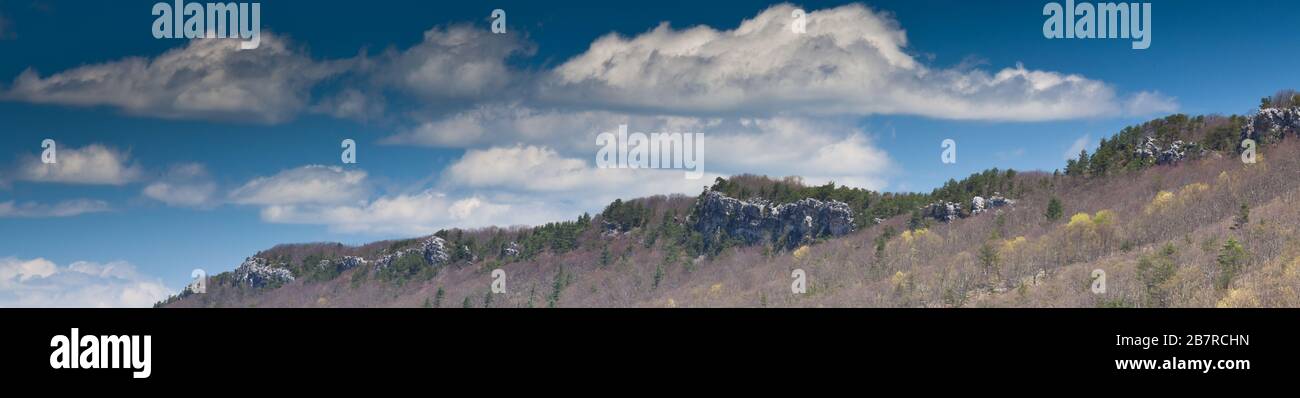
<point>1167,211</point>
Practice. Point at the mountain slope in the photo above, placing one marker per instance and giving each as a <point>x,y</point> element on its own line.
<point>1169,213</point>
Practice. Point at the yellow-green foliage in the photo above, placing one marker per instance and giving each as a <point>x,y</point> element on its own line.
<point>1104,218</point>
<point>908,236</point>
<point>1080,220</point>
<point>801,252</point>
<point>1012,244</point>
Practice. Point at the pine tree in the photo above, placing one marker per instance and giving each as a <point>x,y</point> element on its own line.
<point>1232,258</point>
<point>1054,211</point>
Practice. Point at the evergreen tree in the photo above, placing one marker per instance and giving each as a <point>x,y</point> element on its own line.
<point>1054,211</point>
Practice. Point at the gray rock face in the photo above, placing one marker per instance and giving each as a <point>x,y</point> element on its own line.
<point>513,249</point>
<point>258,272</point>
<point>943,211</point>
<point>979,205</point>
<point>755,221</point>
<point>342,264</point>
<point>434,250</point>
<point>1173,153</point>
<point>1272,124</point>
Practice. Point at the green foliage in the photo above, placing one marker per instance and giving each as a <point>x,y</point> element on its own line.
<point>558,237</point>
<point>558,284</point>
<point>1078,167</point>
<point>1232,260</point>
<point>989,258</point>
<point>1054,210</point>
<point>659,277</point>
<point>359,276</point>
<point>406,267</point>
<point>1154,272</point>
<point>915,221</point>
<point>437,297</point>
<point>883,239</point>
<point>983,184</point>
<point>626,215</point>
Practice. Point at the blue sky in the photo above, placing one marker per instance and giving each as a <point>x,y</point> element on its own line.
<point>194,154</point>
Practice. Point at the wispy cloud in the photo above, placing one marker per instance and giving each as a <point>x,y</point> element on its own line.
<point>312,184</point>
<point>1077,146</point>
<point>184,185</point>
<point>67,208</point>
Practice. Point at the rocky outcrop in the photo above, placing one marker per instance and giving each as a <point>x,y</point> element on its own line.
<point>979,205</point>
<point>512,250</point>
<point>755,221</point>
<point>1272,124</point>
<point>943,211</point>
<point>433,249</point>
<point>257,272</point>
<point>342,264</point>
<point>1173,153</point>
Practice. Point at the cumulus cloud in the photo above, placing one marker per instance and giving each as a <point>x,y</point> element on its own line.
<point>92,164</point>
<point>42,283</point>
<point>67,208</point>
<point>563,144</point>
<point>409,214</point>
<point>185,185</point>
<point>819,151</point>
<point>494,124</point>
<point>851,60</point>
<point>312,184</point>
<point>454,62</point>
<point>537,169</point>
<point>206,79</point>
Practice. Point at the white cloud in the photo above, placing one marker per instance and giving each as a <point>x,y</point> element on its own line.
<point>185,185</point>
<point>495,124</point>
<point>537,170</point>
<point>312,184</point>
<point>92,164</point>
<point>819,151</point>
<point>1148,103</point>
<point>353,104</point>
<point>41,283</point>
<point>852,60</point>
<point>1077,146</point>
<point>207,79</point>
<point>409,214</point>
<point>67,208</point>
<point>454,62</point>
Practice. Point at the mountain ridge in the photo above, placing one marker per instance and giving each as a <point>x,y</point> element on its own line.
<point>1157,208</point>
